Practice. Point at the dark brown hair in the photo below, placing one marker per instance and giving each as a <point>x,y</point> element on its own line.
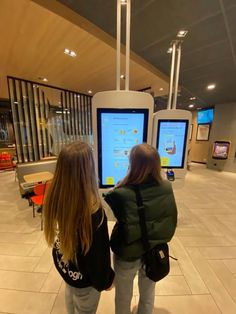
<point>144,163</point>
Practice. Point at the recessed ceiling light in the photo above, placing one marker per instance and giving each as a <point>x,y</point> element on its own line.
<point>182,33</point>
<point>211,86</point>
<point>44,79</point>
<point>69,52</point>
<point>72,54</point>
<point>161,89</point>
<point>16,102</point>
<point>192,98</point>
<point>191,106</point>
<point>122,76</point>
<point>90,92</point>
<point>169,50</point>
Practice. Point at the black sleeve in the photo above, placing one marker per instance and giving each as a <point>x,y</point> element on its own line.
<point>111,199</point>
<point>98,261</point>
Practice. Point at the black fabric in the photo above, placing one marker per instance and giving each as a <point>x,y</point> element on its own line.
<point>92,269</point>
<point>156,260</point>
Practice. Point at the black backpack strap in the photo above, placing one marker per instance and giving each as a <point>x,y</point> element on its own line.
<point>142,218</point>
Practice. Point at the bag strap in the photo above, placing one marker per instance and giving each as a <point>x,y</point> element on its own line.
<point>142,218</point>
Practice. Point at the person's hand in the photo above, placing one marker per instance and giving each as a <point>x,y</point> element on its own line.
<point>112,286</point>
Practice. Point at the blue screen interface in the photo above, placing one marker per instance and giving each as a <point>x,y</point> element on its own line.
<point>119,133</point>
<point>205,116</point>
<point>171,142</point>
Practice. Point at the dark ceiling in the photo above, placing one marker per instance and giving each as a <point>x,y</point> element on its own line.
<point>208,51</point>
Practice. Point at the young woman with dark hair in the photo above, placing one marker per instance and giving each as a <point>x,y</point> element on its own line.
<point>126,240</point>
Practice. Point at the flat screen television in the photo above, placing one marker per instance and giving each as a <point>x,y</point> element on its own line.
<point>221,150</point>
<point>171,142</point>
<point>118,131</point>
<point>205,116</point>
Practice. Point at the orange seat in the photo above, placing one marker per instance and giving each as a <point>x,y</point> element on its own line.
<point>40,191</point>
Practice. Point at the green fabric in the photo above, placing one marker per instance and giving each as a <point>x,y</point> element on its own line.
<point>161,218</point>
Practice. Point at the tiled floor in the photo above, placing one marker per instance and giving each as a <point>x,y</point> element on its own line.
<point>202,281</point>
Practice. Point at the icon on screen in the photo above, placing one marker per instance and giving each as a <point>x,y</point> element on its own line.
<point>170,148</point>
<point>165,161</point>
<point>110,180</point>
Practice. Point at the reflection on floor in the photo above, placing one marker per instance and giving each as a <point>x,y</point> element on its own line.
<point>202,281</point>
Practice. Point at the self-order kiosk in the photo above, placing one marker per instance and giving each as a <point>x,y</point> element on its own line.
<point>121,120</point>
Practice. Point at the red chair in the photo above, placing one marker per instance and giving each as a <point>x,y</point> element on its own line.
<point>6,161</point>
<point>40,191</point>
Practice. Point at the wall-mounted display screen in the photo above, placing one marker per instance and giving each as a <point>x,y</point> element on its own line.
<point>220,150</point>
<point>118,131</point>
<point>171,142</point>
<point>205,116</point>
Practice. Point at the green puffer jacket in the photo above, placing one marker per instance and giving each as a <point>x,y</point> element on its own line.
<point>161,218</point>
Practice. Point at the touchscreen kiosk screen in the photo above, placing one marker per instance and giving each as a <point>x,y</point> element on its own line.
<point>221,150</point>
<point>118,131</point>
<point>171,142</point>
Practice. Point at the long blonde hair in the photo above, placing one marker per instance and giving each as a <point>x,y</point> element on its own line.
<point>71,199</point>
<point>144,163</point>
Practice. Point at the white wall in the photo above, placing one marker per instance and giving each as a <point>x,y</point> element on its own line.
<point>224,128</point>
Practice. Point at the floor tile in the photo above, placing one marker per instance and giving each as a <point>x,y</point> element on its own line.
<point>18,263</point>
<point>219,293</point>
<point>16,228</point>
<point>53,282</point>
<point>175,269</point>
<point>29,238</point>
<point>193,304</point>
<point>172,285</point>
<point>205,241</point>
<point>21,280</point>
<point>39,248</point>
<point>45,262</point>
<point>225,276</point>
<point>16,249</point>
<point>22,302</point>
<point>231,264</point>
<point>219,252</point>
<point>192,277</point>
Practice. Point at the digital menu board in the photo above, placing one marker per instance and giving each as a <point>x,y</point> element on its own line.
<point>118,131</point>
<point>221,150</point>
<point>171,142</point>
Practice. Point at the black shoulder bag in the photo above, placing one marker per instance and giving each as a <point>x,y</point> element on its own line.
<point>156,260</point>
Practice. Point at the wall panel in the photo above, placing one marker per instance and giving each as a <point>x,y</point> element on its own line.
<point>46,118</point>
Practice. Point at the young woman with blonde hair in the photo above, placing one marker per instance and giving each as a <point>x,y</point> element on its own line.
<point>144,173</point>
<point>75,225</point>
